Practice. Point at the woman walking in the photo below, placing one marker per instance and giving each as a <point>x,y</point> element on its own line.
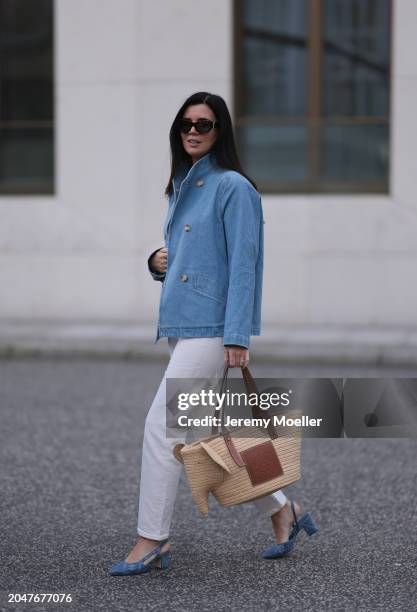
<point>211,272</point>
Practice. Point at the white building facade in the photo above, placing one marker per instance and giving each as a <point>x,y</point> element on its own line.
<point>121,70</point>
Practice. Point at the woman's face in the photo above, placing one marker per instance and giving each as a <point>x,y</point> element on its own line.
<point>195,144</point>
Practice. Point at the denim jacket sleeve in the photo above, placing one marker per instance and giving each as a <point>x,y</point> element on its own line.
<point>242,220</point>
<point>160,276</point>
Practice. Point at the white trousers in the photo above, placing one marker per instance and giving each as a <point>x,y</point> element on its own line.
<point>160,471</point>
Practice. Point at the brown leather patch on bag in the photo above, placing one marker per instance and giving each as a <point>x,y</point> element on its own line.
<point>262,463</point>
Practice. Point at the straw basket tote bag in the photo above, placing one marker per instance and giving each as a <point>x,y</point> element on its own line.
<point>236,467</point>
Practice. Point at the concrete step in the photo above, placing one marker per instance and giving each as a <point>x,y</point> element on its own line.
<point>327,344</point>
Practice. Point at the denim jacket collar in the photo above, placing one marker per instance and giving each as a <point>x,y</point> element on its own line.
<point>200,168</point>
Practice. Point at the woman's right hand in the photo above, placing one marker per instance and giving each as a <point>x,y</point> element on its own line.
<point>159,260</point>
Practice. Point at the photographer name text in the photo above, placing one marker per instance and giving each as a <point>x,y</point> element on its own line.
<point>276,420</point>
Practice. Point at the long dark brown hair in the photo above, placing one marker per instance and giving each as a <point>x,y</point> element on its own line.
<point>223,149</point>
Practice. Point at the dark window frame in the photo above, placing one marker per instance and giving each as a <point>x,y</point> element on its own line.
<point>35,188</point>
<point>313,119</point>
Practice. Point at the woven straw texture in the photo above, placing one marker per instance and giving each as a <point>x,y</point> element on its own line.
<point>210,467</point>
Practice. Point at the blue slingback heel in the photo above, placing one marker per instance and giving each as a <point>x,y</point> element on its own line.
<point>280,550</point>
<point>153,560</point>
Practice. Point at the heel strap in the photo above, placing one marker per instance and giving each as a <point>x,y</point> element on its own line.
<point>155,551</point>
<point>295,516</point>
<point>162,544</point>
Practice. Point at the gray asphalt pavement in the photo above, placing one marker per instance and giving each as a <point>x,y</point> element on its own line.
<point>70,445</point>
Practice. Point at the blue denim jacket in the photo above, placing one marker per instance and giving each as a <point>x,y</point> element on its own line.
<point>214,235</point>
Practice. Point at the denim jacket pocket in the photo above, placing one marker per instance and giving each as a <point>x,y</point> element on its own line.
<point>209,287</point>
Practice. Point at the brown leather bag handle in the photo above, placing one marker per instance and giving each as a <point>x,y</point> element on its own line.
<point>257,412</point>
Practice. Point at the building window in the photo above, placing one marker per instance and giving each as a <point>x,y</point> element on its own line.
<point>312,90</point>
<point>26,97</point>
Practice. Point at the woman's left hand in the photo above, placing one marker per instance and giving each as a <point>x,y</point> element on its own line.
<point>236,356</point>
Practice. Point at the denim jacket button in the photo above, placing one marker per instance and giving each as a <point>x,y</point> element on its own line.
<point>184,278</point>
<point>200,183</point>
<point>187,227</point>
